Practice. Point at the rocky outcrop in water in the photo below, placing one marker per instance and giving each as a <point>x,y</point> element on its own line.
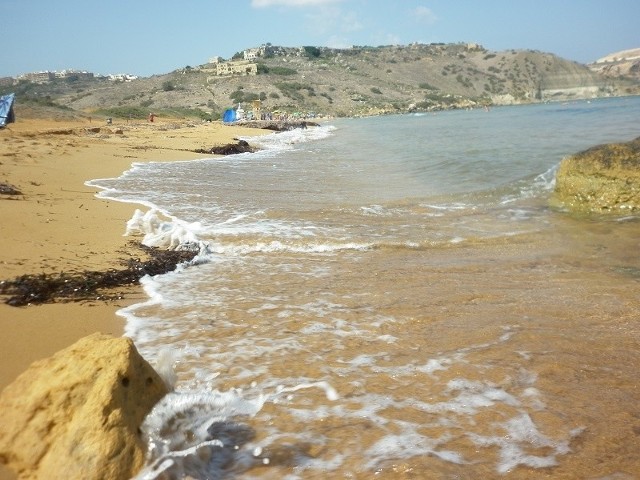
<point>279,125</point>
<point>78,413</point>
<point>241,146</point>
<point>605,178</point>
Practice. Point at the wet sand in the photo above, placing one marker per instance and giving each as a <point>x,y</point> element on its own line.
<point>57,224</point>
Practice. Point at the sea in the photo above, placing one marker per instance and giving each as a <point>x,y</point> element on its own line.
<point>392,297</point>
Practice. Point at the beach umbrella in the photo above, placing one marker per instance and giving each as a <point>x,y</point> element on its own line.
<point>6,109</point>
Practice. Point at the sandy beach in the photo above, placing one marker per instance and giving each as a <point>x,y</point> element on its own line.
<point>57,224</point>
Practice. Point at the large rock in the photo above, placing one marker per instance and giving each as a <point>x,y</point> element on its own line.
<point>77,414</point>
<point>605,178</point>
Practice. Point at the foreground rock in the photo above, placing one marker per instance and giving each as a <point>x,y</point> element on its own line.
<point>77,414</point>
<point>605,178</point>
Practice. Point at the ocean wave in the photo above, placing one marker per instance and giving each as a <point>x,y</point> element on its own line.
<point>289,139</point>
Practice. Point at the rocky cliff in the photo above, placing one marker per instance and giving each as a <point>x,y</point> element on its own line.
<point>619,64</point>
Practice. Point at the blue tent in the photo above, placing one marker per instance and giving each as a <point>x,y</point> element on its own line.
<point>6,109</point>
<point>229,115</point>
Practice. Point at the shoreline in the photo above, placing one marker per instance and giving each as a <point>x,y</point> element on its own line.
<point>57,224</point>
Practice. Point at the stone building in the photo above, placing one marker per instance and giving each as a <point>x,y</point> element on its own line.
<point>239,67</point>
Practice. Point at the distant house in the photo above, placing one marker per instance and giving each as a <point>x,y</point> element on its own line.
<point>239,67</point>
<point>122,77</point>
<point>47,76</point>
<point>74,74</point>
<point>251,54</point>
<point>38,77</point>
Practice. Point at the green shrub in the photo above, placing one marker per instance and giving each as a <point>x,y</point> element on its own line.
<point>312,52</point>
<point>124,112</point>
<point>188,113</point>
<point>45,101</point>
<point>327,96</point>
<point>282,71</point>
<point>292,89</point>
<point>140,113</point>
<point>240,96</point>
<point>265,69</point>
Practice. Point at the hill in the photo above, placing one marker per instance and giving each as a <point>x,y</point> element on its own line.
<point>624,64</point>
<point>342,82</point>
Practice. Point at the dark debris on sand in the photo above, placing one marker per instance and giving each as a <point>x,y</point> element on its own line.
<point>8,189</point>
<point>279,126</point>
<point>229,149</point>
<point>90,285</point>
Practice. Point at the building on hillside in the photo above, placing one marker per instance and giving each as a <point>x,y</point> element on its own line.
<point>122,77</point>
<point>38,77</point>
<point>268,50</point>
<point>74,74</point>
<point>239,67</point>
<point>264,50</point>
<point>251,54</point>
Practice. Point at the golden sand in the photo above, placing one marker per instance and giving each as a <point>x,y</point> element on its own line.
<point>58,224</point>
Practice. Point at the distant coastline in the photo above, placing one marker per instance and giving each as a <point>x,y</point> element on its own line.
<point>358,81</point>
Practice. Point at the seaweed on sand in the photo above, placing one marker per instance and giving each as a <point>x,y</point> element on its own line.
<point>8,189</point>
<point>229,149</point>
<point>90,285</point>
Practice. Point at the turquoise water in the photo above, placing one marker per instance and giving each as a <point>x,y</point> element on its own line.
<point>392,296</point>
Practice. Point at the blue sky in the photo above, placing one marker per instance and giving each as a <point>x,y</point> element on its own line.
<point>145,37</point>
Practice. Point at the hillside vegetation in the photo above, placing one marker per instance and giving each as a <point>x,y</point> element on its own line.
<point>342,82</point>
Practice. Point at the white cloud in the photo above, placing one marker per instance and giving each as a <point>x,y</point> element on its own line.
<point>333,21</point>
<point>424,15</point>
<point>350,22</point>
<point>291,3</point>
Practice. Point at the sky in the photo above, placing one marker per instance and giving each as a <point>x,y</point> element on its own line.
<point>147,37</point>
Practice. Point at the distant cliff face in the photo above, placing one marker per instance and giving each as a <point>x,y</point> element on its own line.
<point>620,64</point>
<point>350,82</point>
